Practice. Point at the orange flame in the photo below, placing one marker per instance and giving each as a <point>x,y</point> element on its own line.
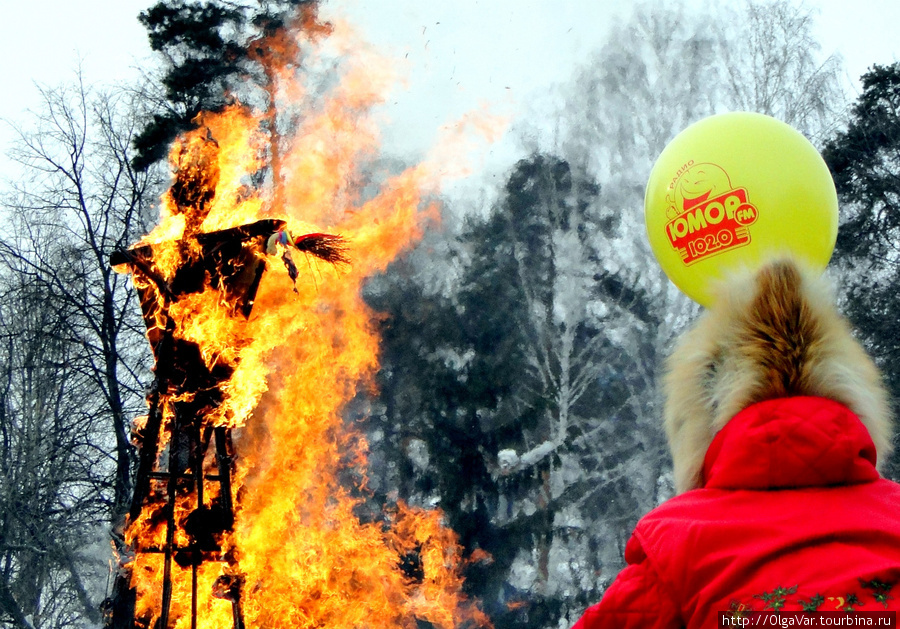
<point>304,557</point>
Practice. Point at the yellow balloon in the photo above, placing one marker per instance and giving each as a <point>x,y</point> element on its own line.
<point>732,191</point>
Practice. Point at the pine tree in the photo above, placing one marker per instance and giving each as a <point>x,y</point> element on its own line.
<point>214,50</point>
<point>514,403</point>
<point>865,160</point>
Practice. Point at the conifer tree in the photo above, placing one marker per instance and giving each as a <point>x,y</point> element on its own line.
<point>865,162</point>
<point>212,51</point>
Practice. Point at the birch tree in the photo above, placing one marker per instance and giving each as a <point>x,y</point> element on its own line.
<point>669,65</point>
<point>772,63</point>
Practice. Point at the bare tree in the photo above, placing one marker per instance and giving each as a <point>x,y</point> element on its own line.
<point>74,358</point>
<point>54,468</point>
<point>79,200</point>
<point>669,65</point>
<point>657,74</point>
<point>771,63</point>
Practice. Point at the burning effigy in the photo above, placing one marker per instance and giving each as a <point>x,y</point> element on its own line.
<point>250,289</point>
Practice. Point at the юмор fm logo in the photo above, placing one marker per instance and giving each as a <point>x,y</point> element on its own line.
<point>706,215</point>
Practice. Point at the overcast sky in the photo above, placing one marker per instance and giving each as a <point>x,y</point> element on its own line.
<point>458,55</point>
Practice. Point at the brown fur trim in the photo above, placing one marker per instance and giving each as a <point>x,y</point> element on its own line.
<point>775,333</point>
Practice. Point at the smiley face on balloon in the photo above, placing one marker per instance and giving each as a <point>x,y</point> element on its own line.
<point>695,185</point>
<point>733,191</point>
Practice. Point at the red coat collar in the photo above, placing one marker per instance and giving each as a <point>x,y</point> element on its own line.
<point>790,442</point>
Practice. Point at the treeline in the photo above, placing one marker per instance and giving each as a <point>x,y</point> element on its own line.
<point>520,345</point>
<point>522,348</point>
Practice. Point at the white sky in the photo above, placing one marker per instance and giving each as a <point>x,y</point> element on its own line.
<point>459,54</point>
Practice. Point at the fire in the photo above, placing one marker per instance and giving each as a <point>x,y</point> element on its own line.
<point>266,392</point>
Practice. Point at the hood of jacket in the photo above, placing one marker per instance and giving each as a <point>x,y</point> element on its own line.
<point>770,335</point>
<point>791,443</point>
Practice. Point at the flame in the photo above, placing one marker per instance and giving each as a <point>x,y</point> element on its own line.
<point>298,549</point>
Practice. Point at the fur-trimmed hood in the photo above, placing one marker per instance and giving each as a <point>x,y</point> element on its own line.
<point>770,334</point>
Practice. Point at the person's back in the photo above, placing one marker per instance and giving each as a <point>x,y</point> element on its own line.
<point>776,418</point>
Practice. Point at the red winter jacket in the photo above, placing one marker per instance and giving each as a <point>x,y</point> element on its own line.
<point>791,515</point>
